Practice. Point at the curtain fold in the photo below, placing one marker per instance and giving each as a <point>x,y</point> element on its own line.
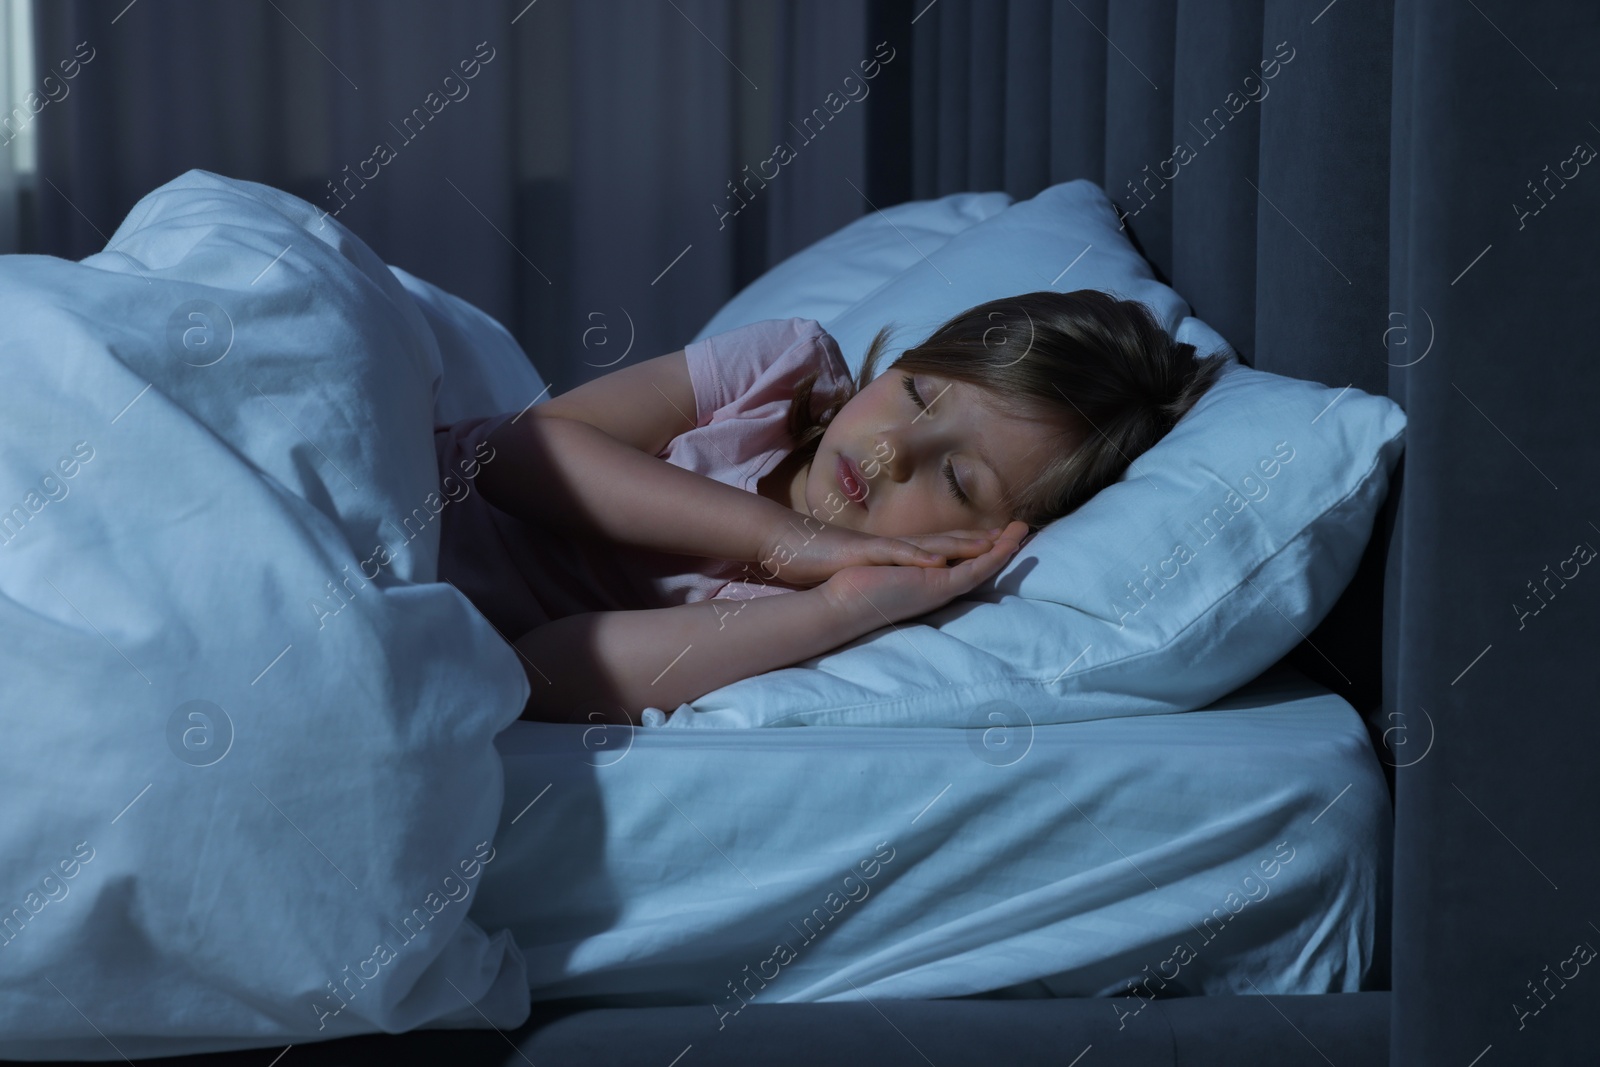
<point>1168,106</point>
<point>18,82</point>
<point>1322,278</point>
<point>595,185</point>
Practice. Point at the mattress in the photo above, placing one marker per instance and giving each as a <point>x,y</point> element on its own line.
<point>1240,848</point>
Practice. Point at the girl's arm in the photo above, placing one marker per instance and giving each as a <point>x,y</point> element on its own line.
<point>663,657</point>
<point>569,475</point>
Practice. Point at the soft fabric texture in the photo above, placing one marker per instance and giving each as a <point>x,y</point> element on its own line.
<point>249,772</point>
<point>522,575</point>
<point>1065,238</point>
<point>1218,550</point>
<point>894,863</point>
<point>483,369</point>
<point>824,279</point>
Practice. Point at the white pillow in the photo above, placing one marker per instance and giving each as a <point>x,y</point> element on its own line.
<point>1270,485</point>
<point>1059,240</point>
<point>826,278</point>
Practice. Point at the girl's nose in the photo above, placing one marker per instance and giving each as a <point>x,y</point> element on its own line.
<point>891,459</point>
<point>898,458</point>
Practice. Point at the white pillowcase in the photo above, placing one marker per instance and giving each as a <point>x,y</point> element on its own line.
<point>825,279</point>
<point>1219,549</point>
<point>1065,238</point>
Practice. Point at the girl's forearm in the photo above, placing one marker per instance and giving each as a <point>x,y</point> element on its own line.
<point>662,657</point>
<point>568,475</point>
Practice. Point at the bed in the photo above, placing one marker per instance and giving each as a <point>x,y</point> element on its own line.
<point>983,834</point>
<point>1237,849</point>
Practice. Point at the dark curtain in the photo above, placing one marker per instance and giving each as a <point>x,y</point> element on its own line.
<point>1404,207</point>
<point>578,181</point>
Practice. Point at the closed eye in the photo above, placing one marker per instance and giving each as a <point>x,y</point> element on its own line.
<point>949,468</point>
<point>955,488</point>
<point>912,389</point>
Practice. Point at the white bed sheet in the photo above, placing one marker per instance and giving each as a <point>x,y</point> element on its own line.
<point>727,866</point>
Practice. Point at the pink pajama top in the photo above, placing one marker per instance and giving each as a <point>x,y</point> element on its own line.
<point>521,575</point>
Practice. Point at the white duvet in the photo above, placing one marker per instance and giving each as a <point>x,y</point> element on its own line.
<point>248,773</point>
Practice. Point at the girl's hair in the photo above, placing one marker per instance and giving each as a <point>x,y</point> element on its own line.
<point>1102,369</point>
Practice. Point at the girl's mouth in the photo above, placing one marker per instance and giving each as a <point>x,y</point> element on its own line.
<point>851,481</point>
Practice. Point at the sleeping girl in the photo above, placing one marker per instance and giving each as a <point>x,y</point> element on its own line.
<point>742,504</point>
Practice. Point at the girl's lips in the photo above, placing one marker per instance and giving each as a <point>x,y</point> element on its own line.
<point>851,481</point>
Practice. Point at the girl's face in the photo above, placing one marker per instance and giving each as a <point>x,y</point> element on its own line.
<point>923,454</point>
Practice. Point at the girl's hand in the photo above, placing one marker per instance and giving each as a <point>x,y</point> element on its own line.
<point>895,593</point>
<point>804,552</point>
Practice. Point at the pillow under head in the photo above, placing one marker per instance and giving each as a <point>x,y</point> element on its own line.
<point>1218,550</point>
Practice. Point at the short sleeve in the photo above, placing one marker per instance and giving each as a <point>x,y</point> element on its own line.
<point>738,373</point>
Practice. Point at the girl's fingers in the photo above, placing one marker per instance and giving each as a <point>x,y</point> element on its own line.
<point>963,542</point>
<point>902,551</point>
<point>935,549</point>
<point>981,568</point>
<point>954,548</point>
